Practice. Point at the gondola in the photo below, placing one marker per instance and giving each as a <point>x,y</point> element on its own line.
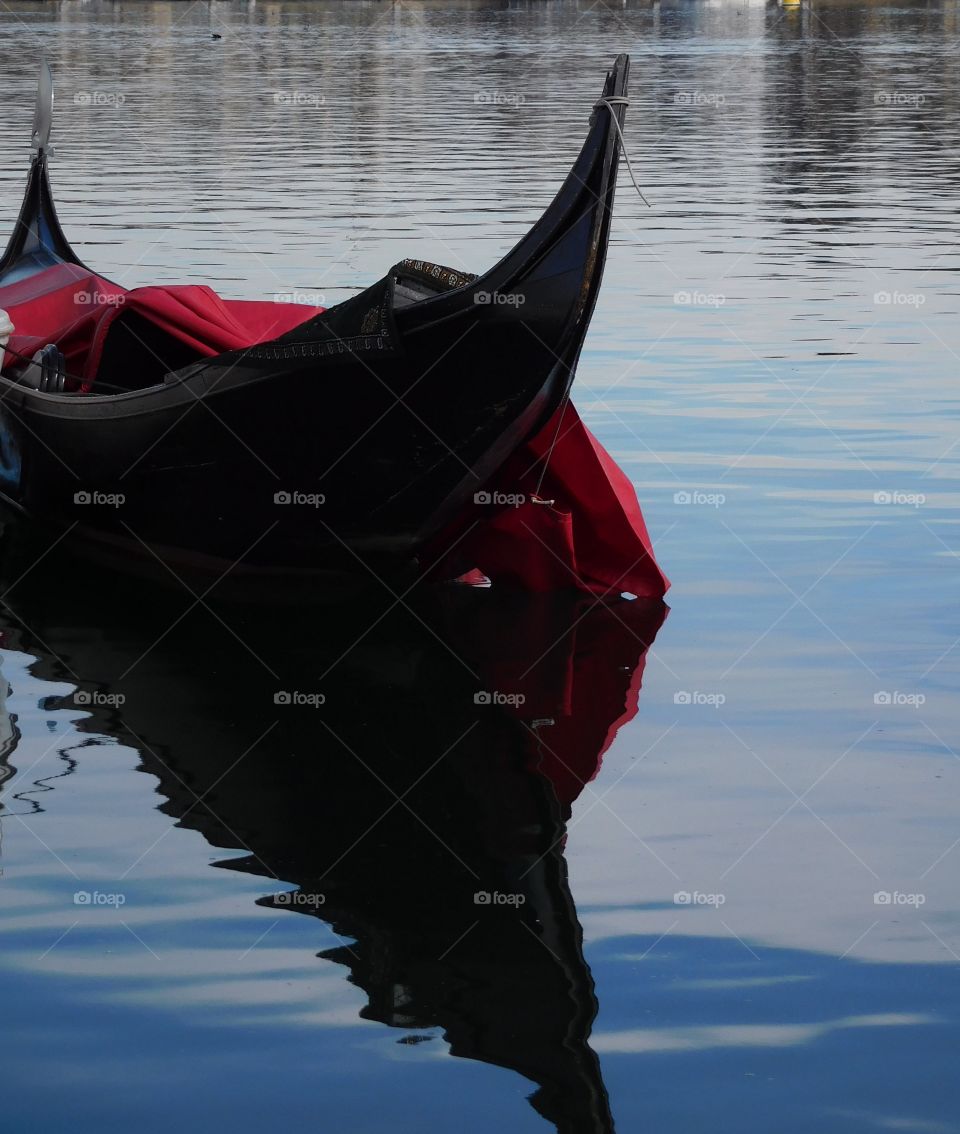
<point>170,422</point>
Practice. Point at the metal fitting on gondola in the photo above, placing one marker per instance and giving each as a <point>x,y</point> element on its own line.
<point>47,371</point>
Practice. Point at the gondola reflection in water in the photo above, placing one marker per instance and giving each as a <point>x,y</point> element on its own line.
<point>420,809</point>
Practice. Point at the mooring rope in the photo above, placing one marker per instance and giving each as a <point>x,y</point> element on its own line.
<point>611,102</point>
<point>553,445</point>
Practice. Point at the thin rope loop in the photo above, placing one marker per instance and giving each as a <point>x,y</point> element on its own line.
<point>553,445</point>
<point>611,102</point>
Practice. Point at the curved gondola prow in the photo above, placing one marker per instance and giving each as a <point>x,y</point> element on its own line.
<point>590,184</point>
<point>584,198</point>
<point>555,271</point>
<point>38,241</point>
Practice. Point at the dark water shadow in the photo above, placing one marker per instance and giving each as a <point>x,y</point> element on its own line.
<point>408,768</point>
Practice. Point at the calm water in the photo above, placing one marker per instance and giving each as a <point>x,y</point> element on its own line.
<point>773,360</point>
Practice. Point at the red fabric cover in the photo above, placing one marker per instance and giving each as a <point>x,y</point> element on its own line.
<point>75,309</point>
<point>61,305</point>
<point>201,319</point>
<point>591,538</point>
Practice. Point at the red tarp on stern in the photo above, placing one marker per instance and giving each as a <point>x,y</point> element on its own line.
<point>592,537</point>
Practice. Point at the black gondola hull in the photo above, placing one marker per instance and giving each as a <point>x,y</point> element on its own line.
<point>310,452</point>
